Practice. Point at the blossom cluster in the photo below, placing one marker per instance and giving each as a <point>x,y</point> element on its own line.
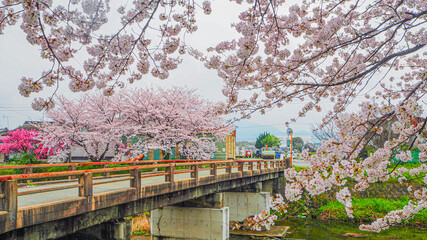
<point>151,118</point>
<point>267,218</point>
<point>25,141</point>
<point>63,32</point>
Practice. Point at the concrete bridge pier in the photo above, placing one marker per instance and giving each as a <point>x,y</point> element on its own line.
<point>190,223</point>
<point>200,218</point>
<point>206,217</point>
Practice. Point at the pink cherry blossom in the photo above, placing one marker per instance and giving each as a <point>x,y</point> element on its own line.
<point>152,118</point>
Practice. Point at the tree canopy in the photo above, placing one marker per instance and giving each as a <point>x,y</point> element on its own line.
<point>266,138</point>
<point>154,118</point>
<point>298,143</point>
<point>20,141</point>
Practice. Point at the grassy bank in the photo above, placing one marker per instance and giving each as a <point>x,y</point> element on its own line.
<point>366,210</point>
<point>328,230</point>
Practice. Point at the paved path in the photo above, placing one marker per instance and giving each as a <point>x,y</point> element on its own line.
<point>300,163</point>
<point>45,197</point>
<point>295,162</point>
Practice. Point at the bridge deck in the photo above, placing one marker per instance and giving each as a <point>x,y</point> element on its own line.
<point>45,197</point>
<point>88,202</point>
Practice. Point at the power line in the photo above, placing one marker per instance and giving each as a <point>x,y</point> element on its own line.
<point>278,124</point>
<point>16,111</point>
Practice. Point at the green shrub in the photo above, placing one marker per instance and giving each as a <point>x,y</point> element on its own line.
<point>24,159</point>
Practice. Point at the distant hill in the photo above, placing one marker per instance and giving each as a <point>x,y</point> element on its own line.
<point>249,131</point>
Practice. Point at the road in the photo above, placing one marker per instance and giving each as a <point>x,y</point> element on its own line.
<point>45,197</point>
<point>300,163</point>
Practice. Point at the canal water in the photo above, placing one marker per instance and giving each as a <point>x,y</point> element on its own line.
<point>316,229</point>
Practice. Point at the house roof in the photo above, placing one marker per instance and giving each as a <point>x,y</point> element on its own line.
<point>32,125</point>
<point>3,131</point>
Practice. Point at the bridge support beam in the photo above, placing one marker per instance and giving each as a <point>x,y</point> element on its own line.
<point>190,223</point>
<point>117,230</point>
<point>274,186</point>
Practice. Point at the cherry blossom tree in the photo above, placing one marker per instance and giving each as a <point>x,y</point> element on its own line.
<point>335,51</point>
<point>24,141</point>
<point>64,31</point>
<point>310,51</point>
<point>90,122</point>
<point>153,118</point>
<point>167,118</point>
<point>324,131</point>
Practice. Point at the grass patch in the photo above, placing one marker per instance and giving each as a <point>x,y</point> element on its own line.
<point>141,224</point>
<point>415,179</point>
<point>366,209</point>
<point>298,169</point>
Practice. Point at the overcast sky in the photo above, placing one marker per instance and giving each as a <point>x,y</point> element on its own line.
<point>18,58</point>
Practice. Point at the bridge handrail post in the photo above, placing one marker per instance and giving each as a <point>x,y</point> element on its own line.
<point>71,168</point>
<point>288,163</point>
<point>170,177</point>
<point>136,181</point>
<point>9,200</point>
<point>86,188</point>
<point>27,170</point>
<point>251,166</point>
<point>228,167</point>
<point>195,172</point>
<point>241,164</point>
<point>214,171</point>
<point>106,174</point>
<point>259,165</point>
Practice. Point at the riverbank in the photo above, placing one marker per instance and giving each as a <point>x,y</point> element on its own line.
<point>367,210</point>
<point>311,229</point>
<point>330,222</point>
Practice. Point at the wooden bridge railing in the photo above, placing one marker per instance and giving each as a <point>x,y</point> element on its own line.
<point>27,169</point>
<point>85,182</point>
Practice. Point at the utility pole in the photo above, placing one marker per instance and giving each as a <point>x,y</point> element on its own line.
<point>7,120</point>
<point>290,132</point>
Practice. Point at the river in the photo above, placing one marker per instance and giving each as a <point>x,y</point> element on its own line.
<point>330,230</point>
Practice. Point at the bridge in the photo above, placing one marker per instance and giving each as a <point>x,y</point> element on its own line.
<point>86,198</point>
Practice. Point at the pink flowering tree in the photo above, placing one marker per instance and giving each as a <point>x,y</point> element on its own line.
<point>154,119</point>
<point>337,51</point>
<point>167,118</point>
<point>312,51</point>
<point>89,123</point>
<point>65,30</point>
<point>24,141</point>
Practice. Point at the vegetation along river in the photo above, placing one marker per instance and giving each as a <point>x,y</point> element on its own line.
<point>317,229</point>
